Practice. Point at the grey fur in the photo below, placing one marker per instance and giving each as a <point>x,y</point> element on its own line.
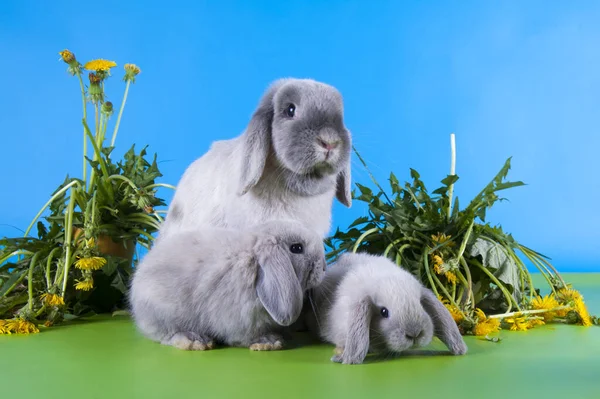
<point>347,310</point>
<point>280,167</point>
<point>206,286</point>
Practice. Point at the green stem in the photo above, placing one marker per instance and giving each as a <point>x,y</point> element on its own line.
<point>143,233</point>
<point>542,270</point>
<point>69,230</point>
<point>428,272</point>
<point>452,301</point>
<point>84,135</point>
<point>97,153</point>
<point>58,193</point>
<point>12,287</point>
<point>526,312</point>
<point>48,265</point>
<point>30,280</point>
<point>114,136</point>
<point>125,179</point>
<point>463,245</point>
<point>15,253</point>
<point>548,264</point>
<point>465,266</point>
<point>161,185</point>
<point>363,236</point>
<point>509,298</point>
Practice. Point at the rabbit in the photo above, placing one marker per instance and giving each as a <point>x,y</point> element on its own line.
<point>289,163</point>
<point>202,287</point>
<point>366,303</point>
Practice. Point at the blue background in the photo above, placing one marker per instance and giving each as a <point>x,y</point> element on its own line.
<point>510,78</point>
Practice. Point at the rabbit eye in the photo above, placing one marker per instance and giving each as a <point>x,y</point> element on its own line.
<point>296,248</point>
<point>290,110</point>
<point>384,313</point>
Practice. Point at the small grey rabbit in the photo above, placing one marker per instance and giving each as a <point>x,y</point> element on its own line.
<point>290,162</point>
<point>367,303</point>
<point>238,288</point>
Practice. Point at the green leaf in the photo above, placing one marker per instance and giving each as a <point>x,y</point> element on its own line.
<point>14,277</point>
<point>502,266</point>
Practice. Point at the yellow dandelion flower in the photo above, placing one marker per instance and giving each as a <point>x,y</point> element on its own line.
<point>52,299</point>
<point>17,326</point>
<point>484,325</point>
<point>3,328</point>
<point>437,262</point>
<point>440,238</point>
<point>567,295</point>
<point>84,285</point>
<point>535,322</point>
<point>26,327</point>
<point>454,312</point>
<point>548,302</point>
<point>90,243</point>
<point>92,263</point>
<point>451,277</point>
<point>132,68</point>
<point>517,323</point>
<point>67,56</point>
<point>582,312</point>
<point>99,65</point>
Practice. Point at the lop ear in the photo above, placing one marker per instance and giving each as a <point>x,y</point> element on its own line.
<point>357,341</point>
<point>444,326</point>
<point>277,285</point>
<point>343,186</point>
<point>256,140</point>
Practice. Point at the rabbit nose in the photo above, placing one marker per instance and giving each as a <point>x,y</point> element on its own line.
<point>413,336</point>
<point>328,145</point>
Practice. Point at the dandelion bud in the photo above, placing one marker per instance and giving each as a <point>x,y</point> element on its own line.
<point>95,90</point>
<point>67,56</point>
<point>131,71</point>
<point>107,108</point>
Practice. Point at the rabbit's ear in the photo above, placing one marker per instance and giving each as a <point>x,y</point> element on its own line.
<point>256,140</point>
<point>277,285</point>
<point>444,326</point>
<point>357,340</point>
<point>343,186</point>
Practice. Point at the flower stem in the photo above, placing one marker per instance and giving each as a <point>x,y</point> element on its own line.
<point>452,172</point>
<point>114,136</point>
<point>58,193</point>
<point>363,236</point>
<point>160,185</point>
<point>30,280</point>
<point>69,233</point>
<point>83,100</point>
<point>509,298</point>
<point>48,265</point>
<point>524,312</point>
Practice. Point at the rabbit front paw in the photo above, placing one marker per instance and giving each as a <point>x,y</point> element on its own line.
<point>269,342</point>
<point>190,341</point>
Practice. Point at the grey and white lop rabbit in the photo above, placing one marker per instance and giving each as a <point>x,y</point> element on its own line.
<point>213,286</point>
<point>289,163</point>
<point>367,303</point>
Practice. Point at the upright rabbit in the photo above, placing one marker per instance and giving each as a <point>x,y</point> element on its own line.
<point>367,304</point>
<point>214,285</point>
<point>289,163</point>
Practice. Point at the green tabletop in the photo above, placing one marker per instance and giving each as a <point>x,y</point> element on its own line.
<point>105,357</point>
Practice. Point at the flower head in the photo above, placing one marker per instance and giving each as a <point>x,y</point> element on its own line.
<point>485,325</point>
<point>52,299</point>
<point>67,56</point>
<point>17,326</point>
<point>100,65</point>
<point>437,262</point>
<point>107,108</point>
<point>131,71</point>
<point>91,263</point>
<point>451,277</point>
<point>84,285</point>
<point>518,323</point>
<point>582,312</point>
<point>440,238</point>
<point>546,303</point>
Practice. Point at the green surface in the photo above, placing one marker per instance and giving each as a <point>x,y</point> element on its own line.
<point>106,358</point>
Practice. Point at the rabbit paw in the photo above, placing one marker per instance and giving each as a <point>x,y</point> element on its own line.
<point>269,342</point>
<point>190,341</point>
